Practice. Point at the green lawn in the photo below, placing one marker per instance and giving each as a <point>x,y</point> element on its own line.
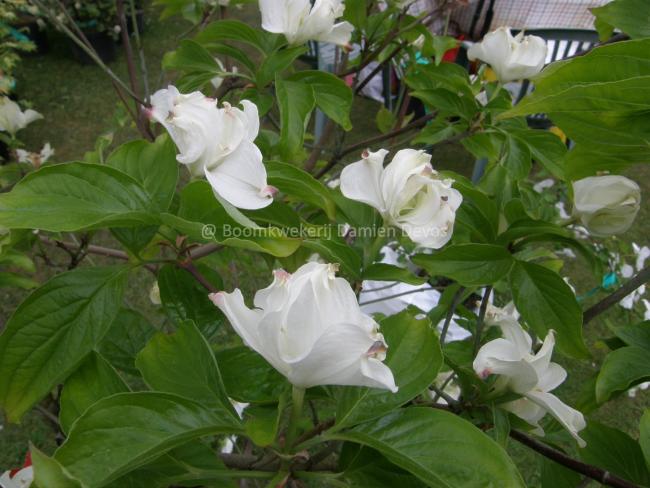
<point>79,104</point>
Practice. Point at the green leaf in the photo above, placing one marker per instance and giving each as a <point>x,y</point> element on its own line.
<point>516,158</point>
<point>331,94</point>
<point>356,13</point>
<point>546,302</point>
<point>183,363</point>
<point>337,251</point>
<point>53,330</point>
<point>469,264</point>
<point>122,432</point>
<point>442,44</point>
<point>74,196</point>
<point>644,437</point>
<point>554,475</point>
<point>545,148</point>
<point>233,30</point>
<point>614,451</point>
<point>191,57</point>
<point>261,423</point>
<point>621,369</point>
<point>48,473</point>
<point>369,469</point>
<point>128,334</point>
<point>414,357</point>
<point>635,335</point>
<point>204,219</point>
<point>600,100</point>
<point>630,16</point>
<point>11,280</point>
<point>183,298</point>
<point>277,62</point>
<point>389,272</point>
<point>385,120</point>
<point>192,464</point>
<point>441,449</point>
<point>300,184</point>
<point>248,377</point>
<point>296,102</point>
<point>152,164</point>
<point>457,103</point>
<point>93,380</point>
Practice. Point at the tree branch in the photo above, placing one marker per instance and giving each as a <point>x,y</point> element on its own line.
<point>639,279</point>
<point>593,472</point>
<point>416,124</point>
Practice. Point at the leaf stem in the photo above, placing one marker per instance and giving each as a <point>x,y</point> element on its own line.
<point>297,401</point>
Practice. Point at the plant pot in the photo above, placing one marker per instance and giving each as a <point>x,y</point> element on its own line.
<point>103,43</point>
<point>28,26</point>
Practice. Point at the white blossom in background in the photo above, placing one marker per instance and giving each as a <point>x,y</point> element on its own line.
<point>512,58</point>
<point>646,304</point>
<point>408,193</point>
<point>13,119</point>
<point>308,326</point>
<point>154,294</point>
<point>449,385</point>
<point>300,22</point>
<point>36,159</point>
<point>640,387</point>
<point>217,143</point>
<point>529,374</point>
<point>606,205</point>
<point>229,442</point>
<point>627,271</point>
<point>217,81</point>
<point>391,297</point>
<point>540,186</point>
<point>22,479</point>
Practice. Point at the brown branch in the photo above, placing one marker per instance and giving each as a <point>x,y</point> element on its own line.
<point>416,124</point>
<point>92,249</point>
<point>595,473</point>
<point>198,276</point>
<point>319,429</point>
<point>639,279</point>
<point>205,250</point>
<point>140,121</point>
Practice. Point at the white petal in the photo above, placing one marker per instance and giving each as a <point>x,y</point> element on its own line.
<point>241,178</point>
<point>252,119</point>
<point>340,357</point>
<point>340,34</point>
<point>552,377</point>
<point>244,320</point>
<point>527,410</point>
<point>501,357</point>
<point>360,181</point>
<point>571,419</point>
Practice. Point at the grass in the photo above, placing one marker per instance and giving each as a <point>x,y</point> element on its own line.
<point>79,104</point>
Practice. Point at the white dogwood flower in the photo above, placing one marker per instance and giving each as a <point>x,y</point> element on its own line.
<point>408,193</point>
<point>218,143</point>
<point>309,326</point>
<point>606,205</point>
<point>300,22</point>
<point>511,57</point>
<point>13,119</point>
<point>529,374</point>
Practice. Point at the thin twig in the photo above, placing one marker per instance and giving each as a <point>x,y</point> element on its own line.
<point>416,124</point>
<point>595,473</point>
<point>638,280</point>
<point>481,318</point>
<point>458,296</point>
<point>198,276</point>
<point>397,295</point>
